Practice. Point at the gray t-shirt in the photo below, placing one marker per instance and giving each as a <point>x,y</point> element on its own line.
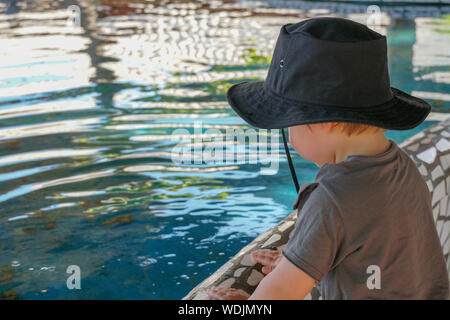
<point>365,230</point>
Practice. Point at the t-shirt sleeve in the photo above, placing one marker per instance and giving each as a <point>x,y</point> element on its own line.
<point>317,237</point>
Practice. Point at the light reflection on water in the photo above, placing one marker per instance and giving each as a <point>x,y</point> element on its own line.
<point>86,116</point>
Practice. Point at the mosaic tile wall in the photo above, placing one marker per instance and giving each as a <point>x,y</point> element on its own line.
<point>430,149</point>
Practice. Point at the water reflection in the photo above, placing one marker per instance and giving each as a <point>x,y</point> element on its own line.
<point>86,119</point>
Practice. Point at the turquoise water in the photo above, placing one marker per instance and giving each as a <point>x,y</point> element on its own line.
<point>86,120</point>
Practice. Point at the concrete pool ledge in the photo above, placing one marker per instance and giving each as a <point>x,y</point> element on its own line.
<point>429,149</point>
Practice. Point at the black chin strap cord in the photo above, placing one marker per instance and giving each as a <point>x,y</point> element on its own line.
<point>291,167</point>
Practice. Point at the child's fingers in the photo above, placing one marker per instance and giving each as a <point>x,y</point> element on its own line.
<point>226,293</point>
<point>267,252</point>
<point>220,292</point>
<point>267,269</point>
<point>211,297</point>
<point>214,294</point>
<point>265,256</point>
<point>262,257</point>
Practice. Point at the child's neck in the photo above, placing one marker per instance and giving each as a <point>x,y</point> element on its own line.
<point>364,144</point>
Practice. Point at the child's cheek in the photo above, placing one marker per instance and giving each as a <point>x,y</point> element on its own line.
<point>307,144</point>
<point>304,147</point>
<point>312,150</point>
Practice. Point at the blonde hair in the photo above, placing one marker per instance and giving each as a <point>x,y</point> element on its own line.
<point>350,128</point>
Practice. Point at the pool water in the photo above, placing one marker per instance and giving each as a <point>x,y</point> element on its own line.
<point>88,105</point>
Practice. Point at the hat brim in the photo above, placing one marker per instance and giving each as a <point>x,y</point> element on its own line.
<point>262,109</point>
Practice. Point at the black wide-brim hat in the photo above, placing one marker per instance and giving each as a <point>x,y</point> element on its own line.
<point>327,70</point>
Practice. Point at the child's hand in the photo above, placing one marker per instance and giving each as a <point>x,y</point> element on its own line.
<point>226,293</point>
<point>268,258</point>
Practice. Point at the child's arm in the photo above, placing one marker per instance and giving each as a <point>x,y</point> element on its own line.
<point>285,282</point>
<point>315,246</point>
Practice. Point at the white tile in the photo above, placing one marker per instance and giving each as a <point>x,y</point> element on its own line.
<point>238,272</point>
<point>446,246</point>
<point>413,147</point>
<point>247,261</point>
<point>254,278</point>
<point>443,145</point>
<point>436,212</point>
<point>437,173</point>
<point>445,231</point>
<point>439,227</point>
<point>423,170</point>
<point>443,205</point>
<point>285,225</point>
<point>274,238</point>
<point>438,193</point>
<point>227,283</point>
<point>429,185</point>
<point>428,156</point>
<point>448,184</point>
<point>445,161</point>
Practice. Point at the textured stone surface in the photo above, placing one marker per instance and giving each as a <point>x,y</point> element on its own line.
<point>414,147</point>
<point>275,237</point>
<point>443,205</point>
<point>428,155</point>
<point>255,278</point>
<point>443,145</point>
<point>247,261</point>
<point>238,272</point>
<point>285,226</point>
<point>431,155</point>
<point>445,160</point>
<point>423,171</point>
<point>228,282</point>
<point>437,173</point>
<point>430,185</point>
<point>439,192</point>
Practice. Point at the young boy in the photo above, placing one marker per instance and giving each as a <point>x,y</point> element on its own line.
<point>364,228</point>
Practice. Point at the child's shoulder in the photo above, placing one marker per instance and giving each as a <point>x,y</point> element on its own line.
<point>376,176</point>
<point>367,183</point>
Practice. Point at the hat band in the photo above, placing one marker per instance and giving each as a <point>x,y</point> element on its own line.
<point>330,107</point>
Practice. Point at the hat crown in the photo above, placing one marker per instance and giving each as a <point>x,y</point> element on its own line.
<point>333,29</point>
<point>330,61</point>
